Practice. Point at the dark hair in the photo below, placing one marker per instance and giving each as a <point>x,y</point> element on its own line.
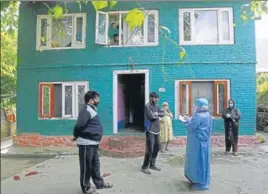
<point>90,95</point>
<point>154,95</point>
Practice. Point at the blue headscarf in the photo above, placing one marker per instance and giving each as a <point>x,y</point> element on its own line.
<point>201,105</point>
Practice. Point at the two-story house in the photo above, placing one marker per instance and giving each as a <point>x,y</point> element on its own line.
<point>59,60</point>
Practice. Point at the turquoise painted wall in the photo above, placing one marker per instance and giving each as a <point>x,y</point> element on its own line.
<point>95,64</point>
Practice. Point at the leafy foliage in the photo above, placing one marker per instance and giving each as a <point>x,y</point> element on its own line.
<point>135,18</point>
<point>9,22</point>
<point>262,86</point>
<point>253,10</point>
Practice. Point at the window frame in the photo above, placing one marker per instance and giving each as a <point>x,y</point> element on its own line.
<point>49,32</point>
<point>145,28</point>
<point>220,33</point>
<point>75,108</point>
<point>178,96</point>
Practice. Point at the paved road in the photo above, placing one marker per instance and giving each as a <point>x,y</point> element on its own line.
<point>12,166</point>
<point>245,174</point>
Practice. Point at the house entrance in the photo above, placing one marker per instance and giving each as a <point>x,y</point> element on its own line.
<point>131,90</point>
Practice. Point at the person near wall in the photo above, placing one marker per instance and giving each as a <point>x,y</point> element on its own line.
<point>231,118</point>
<point>197,161</point>
<point>152,113</point>
<point>113,34</point>
<point>88,133</point>
<point>166,131</point>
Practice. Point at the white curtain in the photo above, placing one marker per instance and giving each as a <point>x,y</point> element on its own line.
<point>203,90</point>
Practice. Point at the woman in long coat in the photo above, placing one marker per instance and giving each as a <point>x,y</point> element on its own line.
<point>166,131</point>
<point>197,163</point>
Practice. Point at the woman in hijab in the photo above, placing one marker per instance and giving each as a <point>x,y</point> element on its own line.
<point>197,162</point>
<point>231,118</point>
<point>166,131</point>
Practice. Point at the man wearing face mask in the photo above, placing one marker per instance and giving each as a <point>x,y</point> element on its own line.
<point>88,133</point>
<point>231,118</point>
<point>152,113</point>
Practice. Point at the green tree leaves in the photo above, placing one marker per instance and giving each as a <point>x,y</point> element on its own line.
<point>9,22</point>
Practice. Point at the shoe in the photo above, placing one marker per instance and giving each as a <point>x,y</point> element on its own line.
<point>146,171</point>
<point>235,153</point>
<point>91,191</point>
<point>105,186</point>
<point>227,152</point>
<point>155,168</point>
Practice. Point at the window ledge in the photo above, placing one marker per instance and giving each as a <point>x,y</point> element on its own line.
<point>57,118</point>
<point>205,44</point>
<point>145,45</point>
<point>60,48</point>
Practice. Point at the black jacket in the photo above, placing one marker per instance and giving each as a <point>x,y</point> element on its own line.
<point>152,113</point>
<point>234,119</point>
<point>88,124</point>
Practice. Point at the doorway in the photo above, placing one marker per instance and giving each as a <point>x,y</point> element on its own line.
<point>130,95</point>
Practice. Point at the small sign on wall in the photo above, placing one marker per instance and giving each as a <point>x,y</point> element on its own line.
<point>162,90</point>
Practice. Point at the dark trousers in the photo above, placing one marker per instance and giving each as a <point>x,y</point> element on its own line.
<point>152,148</point>
<point>89,166</point>
<point>233,142</point>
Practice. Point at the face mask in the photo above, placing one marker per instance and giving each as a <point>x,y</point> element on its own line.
<point>231,105</point>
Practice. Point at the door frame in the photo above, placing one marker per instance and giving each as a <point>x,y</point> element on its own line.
<point>115,91</point>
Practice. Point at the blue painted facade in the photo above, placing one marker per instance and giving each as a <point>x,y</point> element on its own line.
<point>96,64</point>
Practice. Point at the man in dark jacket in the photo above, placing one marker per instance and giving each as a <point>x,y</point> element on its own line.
<point>231,118</point>
<point>152,113</point>
<point>88,133</point>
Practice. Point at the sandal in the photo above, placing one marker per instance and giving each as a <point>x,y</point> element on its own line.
<point>106,186</point>
<point>91,191</point>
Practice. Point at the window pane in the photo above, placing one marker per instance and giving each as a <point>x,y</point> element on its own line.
<point>151,28</point>
<point>184,100</point>
<point>221,97</point>
<point>225,26</point>
<point>62,30</point>
<point>43,38</point>
<point>46,100</point>
<point>68,100</point>
<point>187,26</point>
<point>101,28</point>
<point>206,26</point>
<point>134,36</point>
<point>58,100</point>
<point>113,31</point>
<point>79,30</point>
<point>81,93</point>
<point>203,90</point>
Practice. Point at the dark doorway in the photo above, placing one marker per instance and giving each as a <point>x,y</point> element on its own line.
<point>131,99</point>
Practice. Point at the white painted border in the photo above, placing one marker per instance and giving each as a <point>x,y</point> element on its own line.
<point>74,84</point>
<point>177,92</point>
<point>145,28</point>
<point>85,84</point>
<point>115,91</point>
<point>219,12</point>
<point>49,30</point>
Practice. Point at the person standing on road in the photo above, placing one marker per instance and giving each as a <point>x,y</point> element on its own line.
<point>152,113</point>
<point>88,133</point>
<point>197,161</point>
<point>166,131</point>
<point>231,118</point>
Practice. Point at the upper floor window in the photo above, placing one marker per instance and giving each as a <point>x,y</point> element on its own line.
<point>66,32</point>
<point>113,30</point>
<point>206,26</point>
